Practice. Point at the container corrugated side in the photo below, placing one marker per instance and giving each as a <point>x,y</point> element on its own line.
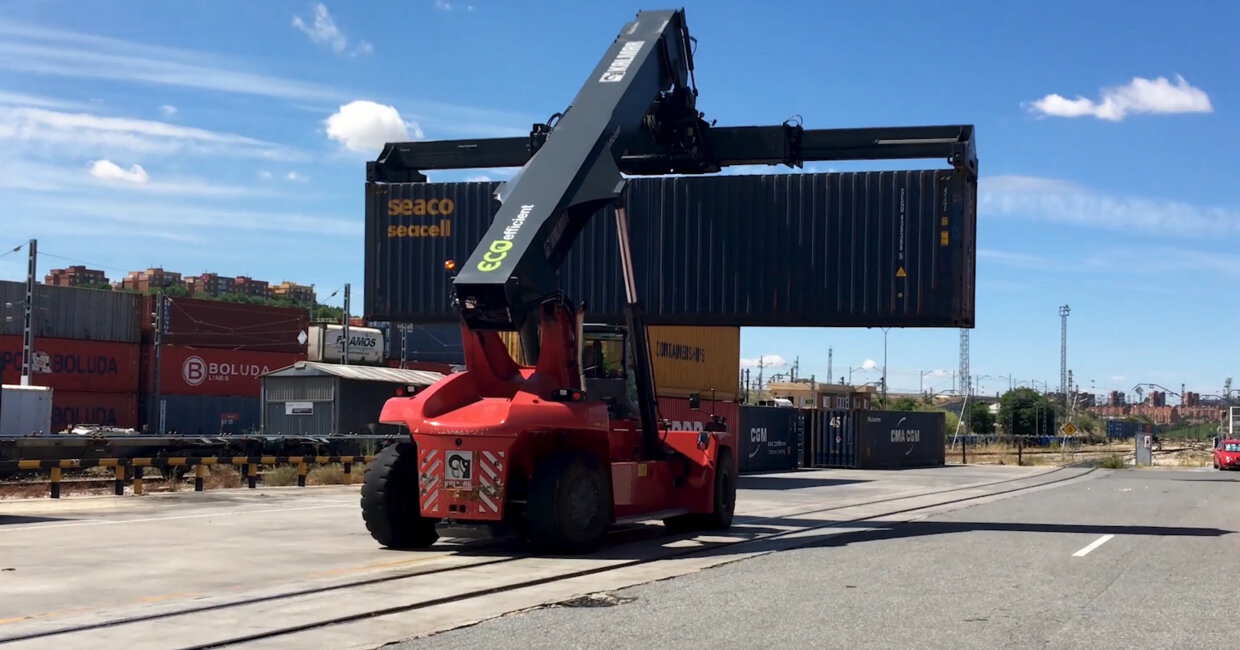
<point>832,438</point>
<point>767,439</point>
<point>107,409</point>
<point>205,371</point>
<point>682,417</point>
<point>430,343</point>
<point>685,360</point>
<point>848,249</point>
<point>900,439</point>
<point>232,325</point>
<point>74,365</point>
<point>209,414</point>
<point>73,312</point>
<point>696,360</point>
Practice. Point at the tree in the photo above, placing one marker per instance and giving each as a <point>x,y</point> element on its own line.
<point>981,419</point>
<point>903,404</point>
<point>1026,412</point>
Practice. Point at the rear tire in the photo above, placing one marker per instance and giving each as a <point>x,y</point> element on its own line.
<point>390,502</point>
<point>723,505</point>
<point>569,504</point>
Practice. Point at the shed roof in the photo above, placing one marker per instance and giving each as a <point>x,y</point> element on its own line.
<point>359,373</point>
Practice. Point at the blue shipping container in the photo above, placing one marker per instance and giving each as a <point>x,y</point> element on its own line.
<point>767,439</point>
<point>211,415</point>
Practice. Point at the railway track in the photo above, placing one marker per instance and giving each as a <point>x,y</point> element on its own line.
<point>456,581</point>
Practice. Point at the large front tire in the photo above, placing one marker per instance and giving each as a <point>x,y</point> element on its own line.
<point>390,504</point>
<point>569,504</point>
<point>723,505</point>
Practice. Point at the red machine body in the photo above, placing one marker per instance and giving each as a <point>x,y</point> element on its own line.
<point>481,434</point>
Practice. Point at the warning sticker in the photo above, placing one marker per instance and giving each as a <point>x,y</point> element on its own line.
<point>460,470</point>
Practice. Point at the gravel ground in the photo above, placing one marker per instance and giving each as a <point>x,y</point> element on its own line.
<point>994,575</point>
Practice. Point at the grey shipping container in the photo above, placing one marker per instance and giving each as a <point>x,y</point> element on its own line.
<point>878,439</point>
<point>211,415</point>
<point>850,249</point>
<point>433,342</point>
<point>767,439</point>
<point>72,312</point>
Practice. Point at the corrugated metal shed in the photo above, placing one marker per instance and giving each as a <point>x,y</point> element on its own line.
<point>853,249</point>
<point>312,398</point>
<point>72,312</point>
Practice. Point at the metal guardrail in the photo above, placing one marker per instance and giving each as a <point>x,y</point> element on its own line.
<point>125,467</point>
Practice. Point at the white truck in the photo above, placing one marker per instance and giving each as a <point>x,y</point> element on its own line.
<point>25,410</point>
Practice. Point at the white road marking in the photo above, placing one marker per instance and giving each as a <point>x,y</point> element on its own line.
<point>1093,545</point>
<point>222,513</point>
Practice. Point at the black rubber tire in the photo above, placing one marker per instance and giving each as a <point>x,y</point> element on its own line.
<point>390,505</point>
<point>721,515</point>
<point>560,482</point>
<point>724,504</point>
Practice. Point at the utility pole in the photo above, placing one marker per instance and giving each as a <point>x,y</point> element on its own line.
<point>830,352</point>
<point>1063,353</point>
<point>157,415</point>
<point>964,377</point>
<point>344,358</point>
<point>28,319</point>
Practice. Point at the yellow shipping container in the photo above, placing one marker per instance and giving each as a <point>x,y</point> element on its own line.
<point>685,359</point>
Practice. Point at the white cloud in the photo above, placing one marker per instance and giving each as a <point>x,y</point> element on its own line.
<point>869,364</point>
<point>22,99</point>
<point>96,134</point>
<point>265,174</point>
<point>168,110</point>
<point>482,178</point>
<point>28,175</point>
<point>1061,201</point>
<point>39,50</point>
<point>295,177</point>
<point>325,31</point>
<point>444,5</point>
<point>108,170</point>
<point>366,126</point>
<point>1117,378</point>
<point>765,361</point>
<point>1139,96</point>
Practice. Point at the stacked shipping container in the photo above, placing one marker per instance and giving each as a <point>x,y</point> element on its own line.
<point>86,348</point>
<point>212,356</point>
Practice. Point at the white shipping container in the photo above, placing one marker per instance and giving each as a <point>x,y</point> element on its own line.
<point>326,344</point>
<point>25,410</point>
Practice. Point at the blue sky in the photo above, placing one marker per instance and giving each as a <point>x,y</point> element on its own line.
<point>223,137</point>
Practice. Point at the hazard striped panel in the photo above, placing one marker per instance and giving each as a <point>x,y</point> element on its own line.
<point>490,481</point>
<point>430,470</point>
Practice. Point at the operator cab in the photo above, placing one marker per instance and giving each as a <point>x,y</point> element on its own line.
<point>607,368</point>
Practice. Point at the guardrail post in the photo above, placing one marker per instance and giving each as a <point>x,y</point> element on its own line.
<point>200,475</point>
<point>348,469</point>
<point>118,487</point>
<point>56,482</point>
<point>302,468</point>
<point>252,475</point>
<point>138,470</point>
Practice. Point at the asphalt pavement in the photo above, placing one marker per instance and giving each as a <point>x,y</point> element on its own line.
<point>1132,559</point>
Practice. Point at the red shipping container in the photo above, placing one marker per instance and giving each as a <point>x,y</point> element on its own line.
<point>235,325</point>
<point>74,365</point>
<point>217,371</point>
<point>110,409</point>
<point>677,410</point>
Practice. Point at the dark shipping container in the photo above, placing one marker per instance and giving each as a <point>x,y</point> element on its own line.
<point>819,250</point>
<point>74,365</point>
<point>216,371</point>
<point>210,415</point>
<point>118,410</point>
<point>72,312</point>
<point>878,439</point>
<point>767,439</point>
<point>233,325</point>
<point>435,343</point>
<point>1121,428</point>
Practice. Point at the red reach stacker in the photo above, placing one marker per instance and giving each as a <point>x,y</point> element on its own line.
<point>560,451</point>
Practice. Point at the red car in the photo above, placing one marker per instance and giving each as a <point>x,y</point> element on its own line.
<point>1227,455</point>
